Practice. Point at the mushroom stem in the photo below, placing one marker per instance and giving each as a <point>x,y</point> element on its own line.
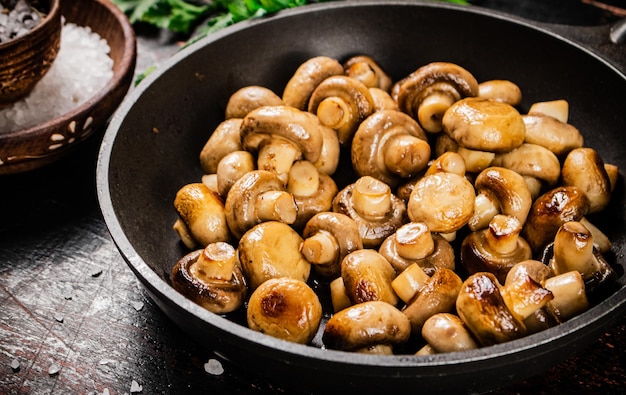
<point>430,111</point>
<point>320,248</point>
<point>304,179</point>
<point>503,234</point>
<point>277,156</point>
<point>573,250</point>
<point>408,283</point>
<point>570,297</point>
<point>277,206</point>
<point>414,241</point>
<point>333,112</point>
<point>450,162</point>
<point>217,261</point>
<point>485,208</point>
<point>372,198</point>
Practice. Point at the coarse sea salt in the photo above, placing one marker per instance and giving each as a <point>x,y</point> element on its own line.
<point>82,68</point>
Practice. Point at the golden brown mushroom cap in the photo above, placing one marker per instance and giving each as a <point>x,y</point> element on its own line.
<point>307,77</point>
<point>249,98</point>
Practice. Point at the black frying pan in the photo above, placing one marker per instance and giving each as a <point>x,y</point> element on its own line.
<point>152,144</point>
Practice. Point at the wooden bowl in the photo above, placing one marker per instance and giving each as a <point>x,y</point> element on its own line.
<point>34,147</point>
<point>26,59</point>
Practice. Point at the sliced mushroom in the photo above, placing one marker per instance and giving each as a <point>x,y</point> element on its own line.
<point>258,196</point>
<point>391,146</point>
<point>482,308</point>
<point>438,295</point>
<point>367,276</point>
<point>495,249</point>
<point>412,243</point>
<point>224,140</point>
<point>499,190</point>
<point>307,76</point>
<point>202,216</point>
<point>341,103</point>
<point>365,69</point>
<point>444,201</point>
<point>249,98</point>
<point>313,192</point>
<point>559,137</point>
<point>428,92</point>
<point>270,250</point>
<point>328,238</point>
<point>484,125</point>
<point>377,212</point>
<point>504,91</point>
<point>364,325</point>
<point>446,332</point>
<point>280,135</point>
<point>584,168</point>
<point>551,210</point>
<point>212,278</point>
<point>285,308</point>
<point>232,167</point>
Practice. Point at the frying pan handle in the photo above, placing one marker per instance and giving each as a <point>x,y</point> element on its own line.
<point>618,32</point>
<point>608,41</point>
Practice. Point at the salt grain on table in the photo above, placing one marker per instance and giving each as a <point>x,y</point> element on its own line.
<point>214,367</point>
<point>137,305</point>
<point>53,369</point>
<point>15,365</point>
<point>135,387</point>
<point>81,69</point>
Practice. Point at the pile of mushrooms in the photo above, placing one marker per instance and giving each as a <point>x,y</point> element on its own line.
<point>467,222</point>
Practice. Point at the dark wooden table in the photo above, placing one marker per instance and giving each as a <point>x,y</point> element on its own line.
<point>75,320</point>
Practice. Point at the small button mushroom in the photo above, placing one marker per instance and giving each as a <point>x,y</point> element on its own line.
<point>258,196</point>
<point>584,168</point>
<point>269,250</point>
<point>383,100</point>
<point>224,140</point>
<point>285,308</point>
<point>249,98</point>
<point>328,238</point>
<point>437,295</point>
<point>212,278</point>
<point>484,125</point>
<point>482,308</point>
<point>412,243</point>
<point>504,91</point>
<point>313,192</point>
<point>364,325</point>
<point>430,90</point>
<point>367,276</point>
<point>305,79</point>
<point>231,168</point>
<point>201,216</point>
<point>391,146</point>
<point>365,69</point>
<point>499,190</point>
<point>377,212</point>
<point>446,332</point>
<point>495,249</point>
<point>280,135</point>
<point>551,210</point>
<point>341,103</point>
<point>523,291</point>
<point>574,249</point>
<point>444,201</point>
<point>559,137</point>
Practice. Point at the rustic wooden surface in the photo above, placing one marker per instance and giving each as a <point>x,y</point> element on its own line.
<point>75,320</point>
